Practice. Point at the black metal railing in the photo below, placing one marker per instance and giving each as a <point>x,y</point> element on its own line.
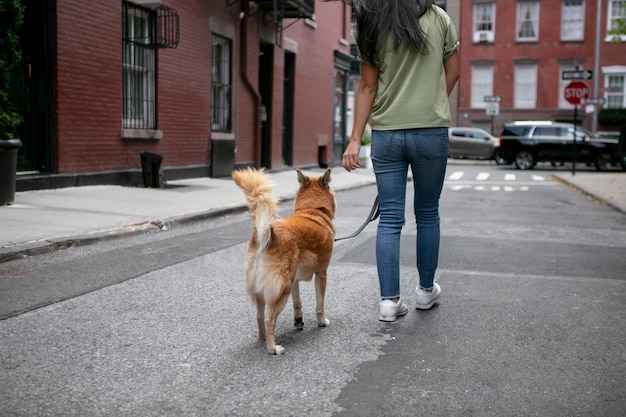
<point>290,9</point>
<point>166,34</point>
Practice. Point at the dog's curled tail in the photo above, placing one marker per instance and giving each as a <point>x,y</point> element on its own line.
<point>262,202</point>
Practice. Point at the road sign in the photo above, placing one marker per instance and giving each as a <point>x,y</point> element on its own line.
<point>575,92</point>
<point>595,100</point>
<point>493,99</point>
<point>577,75</point>
<point>493,109</point>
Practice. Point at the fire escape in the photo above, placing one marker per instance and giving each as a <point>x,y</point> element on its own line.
<point>275,11</point>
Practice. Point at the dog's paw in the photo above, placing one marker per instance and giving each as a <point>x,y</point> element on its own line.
<point>323,323</point>
<point>298,323</point>
<point>278,350</point>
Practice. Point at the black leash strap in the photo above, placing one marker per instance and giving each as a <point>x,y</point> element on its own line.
<point>372,216</point>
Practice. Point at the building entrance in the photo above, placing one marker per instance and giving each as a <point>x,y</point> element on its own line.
<point>32,90</point>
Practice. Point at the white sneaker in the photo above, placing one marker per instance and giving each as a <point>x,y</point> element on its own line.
<point>425,299</point>
<point>390,311</point>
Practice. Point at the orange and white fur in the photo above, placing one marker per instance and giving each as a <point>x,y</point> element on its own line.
<point>284,251</point>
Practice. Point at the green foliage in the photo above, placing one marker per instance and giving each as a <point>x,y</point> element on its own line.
<point>612,117</point>
<point>619,30</point>
<point>11,19</point>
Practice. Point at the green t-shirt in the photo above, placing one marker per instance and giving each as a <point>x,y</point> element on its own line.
<point>412,87</point>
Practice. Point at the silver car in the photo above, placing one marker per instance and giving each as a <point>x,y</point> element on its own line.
<point>472,143</point>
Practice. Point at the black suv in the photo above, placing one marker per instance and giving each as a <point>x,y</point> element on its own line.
<point>526,143</point>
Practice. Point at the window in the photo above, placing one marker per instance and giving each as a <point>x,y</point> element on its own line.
<point>615,92</point>
<point>525,86</point>
<point>221,101</point>
<point>477,135</point>
<point>616,20</point>
<point>572,20</point>
<point>482,84</point>
<point>138,63</point>
<point>484,18</point>
<point>552,131</point>
<point>527,21</point>
<point>569,132</point>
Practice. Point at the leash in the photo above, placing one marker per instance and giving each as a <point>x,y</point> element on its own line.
<point>372,216</point>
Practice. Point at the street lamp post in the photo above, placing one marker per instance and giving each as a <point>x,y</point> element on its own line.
<point>596,65</point>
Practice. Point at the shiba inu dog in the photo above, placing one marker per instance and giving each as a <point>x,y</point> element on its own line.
<point>284,251</point>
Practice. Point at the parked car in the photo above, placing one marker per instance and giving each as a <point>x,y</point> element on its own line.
<point>472,143</point>
<point>527,142</point>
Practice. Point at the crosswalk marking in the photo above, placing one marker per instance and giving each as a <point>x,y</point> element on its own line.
<point>460,187</point>
<point>492,181</point>
<point>456,175</point>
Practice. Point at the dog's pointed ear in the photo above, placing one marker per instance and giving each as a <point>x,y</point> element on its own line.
<point>325,179</point>
<point>302,179</point>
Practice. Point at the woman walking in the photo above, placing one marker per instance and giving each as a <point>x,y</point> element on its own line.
<point>408,51</point>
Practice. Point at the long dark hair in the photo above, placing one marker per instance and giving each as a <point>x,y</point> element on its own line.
<point>379,19</point>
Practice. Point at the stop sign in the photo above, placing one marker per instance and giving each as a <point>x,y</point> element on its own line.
<point>576,91</point>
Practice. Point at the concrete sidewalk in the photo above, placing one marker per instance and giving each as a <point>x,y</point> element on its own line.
<point>607,188</point>
<point>45,220</point>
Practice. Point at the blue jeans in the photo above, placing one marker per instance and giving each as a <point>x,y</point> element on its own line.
<point>426,152</point>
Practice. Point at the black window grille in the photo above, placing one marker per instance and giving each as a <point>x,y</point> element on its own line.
<point>221,85</point>
<point>139,67</point>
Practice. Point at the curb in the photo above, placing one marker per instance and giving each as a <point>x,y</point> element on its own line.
<point>40,247</point>
<point>594,196</point>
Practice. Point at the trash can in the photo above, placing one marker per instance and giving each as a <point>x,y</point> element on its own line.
<point>151,170</point>
<point>8,169</point>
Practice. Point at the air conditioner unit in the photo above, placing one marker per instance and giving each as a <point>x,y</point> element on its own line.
<point>483,36</point>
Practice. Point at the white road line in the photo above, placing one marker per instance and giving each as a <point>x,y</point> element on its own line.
<point>456,175</point>
<point>506,185</point>
<point>499,275</point>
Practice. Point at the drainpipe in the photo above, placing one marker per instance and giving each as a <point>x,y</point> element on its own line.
<point>239,19</point>
<point>243,66</point>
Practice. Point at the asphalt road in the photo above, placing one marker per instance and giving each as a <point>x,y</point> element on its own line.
<point>532,320</point>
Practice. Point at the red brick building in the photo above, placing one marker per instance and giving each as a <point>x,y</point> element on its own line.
<point>209,85</point>
<point>519,50</point>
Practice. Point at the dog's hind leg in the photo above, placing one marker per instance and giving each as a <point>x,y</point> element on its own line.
<point>297,305</point>
<point>260,316</point>
<point>320,292</point>
<point>270,324</point>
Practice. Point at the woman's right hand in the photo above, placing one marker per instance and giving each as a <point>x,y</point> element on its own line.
<point>350,160</point>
